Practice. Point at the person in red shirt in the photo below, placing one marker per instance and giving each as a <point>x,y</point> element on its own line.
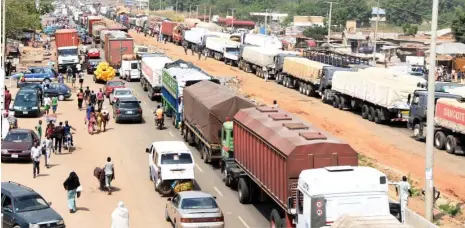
<point>7,100</point>
<point>100,98</point>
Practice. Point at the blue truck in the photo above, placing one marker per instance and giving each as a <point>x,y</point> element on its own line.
<point>175,77</point>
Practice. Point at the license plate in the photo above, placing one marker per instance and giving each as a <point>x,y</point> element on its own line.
<point>25,112</point>
<point>129,112</point>
<point>14,156</point>
<point>405,113</point>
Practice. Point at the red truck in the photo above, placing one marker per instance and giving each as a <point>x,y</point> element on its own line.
<point>117,44</point>
<point>67,43</point>
<point>90,22</point>
<point>173,31</point>
<point>66,38</point>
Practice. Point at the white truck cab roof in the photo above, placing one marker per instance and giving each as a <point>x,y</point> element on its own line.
<point>342,179</point>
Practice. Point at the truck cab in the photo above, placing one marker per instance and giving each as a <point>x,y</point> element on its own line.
<point>324,194</point>
<point>417,114</point>
<point>67,56</point>
<point>227,147</point>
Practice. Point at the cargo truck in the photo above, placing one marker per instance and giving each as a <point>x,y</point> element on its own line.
<point>260,40</point>
<point>177,76</point>
<point>140,21</point>
<point>207,106</point>
<point>259,60</point>
<point>347,221</point>
<point>90,23</point>
<point>67,43</point>
<point>167,29</point>
<point>192,38</point>
<point>324,89</point>
<point>117,44</point>
<point>222,49</point>
<point>311,176</point>
<point>97,27</point>
<point>152,66</point>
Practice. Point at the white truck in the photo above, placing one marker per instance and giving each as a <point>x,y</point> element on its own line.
<point>76,16</point>
<point>384,221</point>
<point>261,40</point>
<point>222,49</point>
<point>259,60</point>
<point>194,37</point>
<point>380,94</point>
<point>152,66</point>
<point>130,68</point>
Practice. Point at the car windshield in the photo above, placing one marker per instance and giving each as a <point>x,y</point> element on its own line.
<point>64,52</point>
<point>129,105</point>
<point>122,92</point>
<point>25,98</point>
<point>30,203</point>
<point>172,159</point>
<point>18,137</point>
<point>199,203</point>
<point>115,83</point>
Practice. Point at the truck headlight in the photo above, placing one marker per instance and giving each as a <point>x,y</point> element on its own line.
<point>4,151</point>
<point>33,226</point>
<point>60,222</point>
<point>35,108</point>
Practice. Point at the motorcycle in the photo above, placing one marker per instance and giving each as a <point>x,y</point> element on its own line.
<point>67,142</point>
<point>160,123</point>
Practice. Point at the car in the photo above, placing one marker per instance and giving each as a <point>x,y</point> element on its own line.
<point>127,109</point>
<point>91,65</point>
<point>446,86</point>
<point>119,93</point>
<point>60,90</point>
<point>111,85</point>
<point>22,207</point>
<point>27,102</point>
<point>194,209</point>
<point>17,144</point>
<point>38,74</point>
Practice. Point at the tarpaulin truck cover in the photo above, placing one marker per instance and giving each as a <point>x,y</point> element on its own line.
<point>207,105</point>
<point>304,69</point>
<point>273,147</point>
<point>450,114</point>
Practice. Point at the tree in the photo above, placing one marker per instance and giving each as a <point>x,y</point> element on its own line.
<point>458,27</point>
<point>316,32</point>
<point>410,30</point>
<point>21,15</point>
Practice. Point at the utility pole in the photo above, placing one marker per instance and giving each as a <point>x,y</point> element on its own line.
<point>2,64</point>
<point>329,20</point>
<point>210,15</point>
<point>190,10</point>
<point>429,193</point>
<point>232,17</point>
<point>266,20</point>
<point>197,12</point>
<point>205,14</point>
<point>160,5</point>
<point>176,6</point>
<point>375,34</point>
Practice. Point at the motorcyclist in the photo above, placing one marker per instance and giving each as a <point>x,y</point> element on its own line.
<point>159,115</point>
<point>67,130</point>
<point>10,116</point>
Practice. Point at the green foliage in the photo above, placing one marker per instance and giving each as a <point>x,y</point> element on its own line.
<point>410,30</point>
<point>450,209</point>
<point>458,27</point>
<point>316,32</point>
<point>21,15</point>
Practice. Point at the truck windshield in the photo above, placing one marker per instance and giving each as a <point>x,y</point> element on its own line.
<point>232,50</point>
<point>134,66</point>
<point>173,159</point>
<point>63,52</point>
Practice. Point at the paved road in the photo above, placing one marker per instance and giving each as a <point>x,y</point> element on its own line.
<point>126,144</point>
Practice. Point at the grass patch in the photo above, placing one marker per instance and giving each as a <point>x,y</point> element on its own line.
<point>450,209</point>
<point>365,161</point>
<point>415,191</point>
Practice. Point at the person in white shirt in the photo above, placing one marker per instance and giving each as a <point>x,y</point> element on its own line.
<point>36,151</point>
<point>48,146</point>
<point>78,67</point>
<point>109,174</point>
<point>275,104</point>
<point>47,104</point>
<point>404,191</point>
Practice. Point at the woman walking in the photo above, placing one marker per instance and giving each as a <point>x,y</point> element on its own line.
<point>91,123</point>
<point>106,118</point>
<point>99,120</point>
<point>80,97</point>
<point>120,216</point>
<point>71,186</point>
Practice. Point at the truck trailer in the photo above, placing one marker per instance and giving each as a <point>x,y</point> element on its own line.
<point>96,28</point>
<point>90,23</point>
<point>177,76</point>
<point>167,29</point>
<point>152,66</point>
<point>313,175</point>
<point>259,60</point>
<point>117,44</point>
<point>381,95</point>
<point>193,37</point>
<point>207,106</point>
<point>222,49</point>
<point>67,43</point>
<point>261,40</point>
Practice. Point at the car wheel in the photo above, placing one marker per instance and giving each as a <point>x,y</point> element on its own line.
<point>167,217</point>
<point>150,174</point>
<point>16,226</point>
<point>61,97</point>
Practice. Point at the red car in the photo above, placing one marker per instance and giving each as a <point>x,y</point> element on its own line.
<point>17,145</point>
<point>93,53</point>
<point>108,89</point>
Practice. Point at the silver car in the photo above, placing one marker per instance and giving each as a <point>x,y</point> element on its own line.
<point>194,209</point>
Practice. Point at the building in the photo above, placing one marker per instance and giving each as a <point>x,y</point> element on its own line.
<point>140,4</point>
<point>308,21</point>
<point>375,11</point>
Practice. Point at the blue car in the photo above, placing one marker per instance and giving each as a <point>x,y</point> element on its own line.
<point>60,90</point>
<point>38,74</point>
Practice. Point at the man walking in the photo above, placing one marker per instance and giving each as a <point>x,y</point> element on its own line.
<point>404,190</point>
<point>39,130</point>
<point>93,99</point>
<point>100,99</point>
<point>48,146</point>
<point>109,174</point>
<point>35,155</point>
<point>54,104</point>
<point>59,134</point>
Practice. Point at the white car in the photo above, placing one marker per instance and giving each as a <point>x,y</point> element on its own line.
<point>170,163</point>
<point>120,92</point>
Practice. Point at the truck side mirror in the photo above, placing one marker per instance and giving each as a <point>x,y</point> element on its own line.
<point>409,97</point>
<point>290,202</point>
<point>147,150</point>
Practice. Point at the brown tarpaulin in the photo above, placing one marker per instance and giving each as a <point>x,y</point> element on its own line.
<point>207,105</point>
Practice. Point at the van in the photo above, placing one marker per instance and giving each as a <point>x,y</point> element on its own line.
<point>130,70</point>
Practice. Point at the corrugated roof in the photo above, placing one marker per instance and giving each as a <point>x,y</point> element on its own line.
<point>450,48</point>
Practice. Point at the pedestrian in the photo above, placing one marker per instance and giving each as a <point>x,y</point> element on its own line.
<point>49,129</point>
<point>58,136</point>
<point>39,130</point>
<point>87,95</point>
<point>36,151</point>
<point>120,216</point>
<point>81,79</point>
<point>80,97</point>
<point>54,104</point>
<point>275,104</point>
<point>7,99</point>
<point>91,123</point>
<point>106,118</point>
<point>40,92</point>
<point>99,117</point>
<point>67,131</point>
<point>403,189</point>
<point>48,147</point>
<point>73,81</point>
<point>60,78</point>
<point>72,186</point>
<point>100,98</point>
<point>47,104</point>
<point>93,98</point>
<point>109,170</point>
<point>78,68</point>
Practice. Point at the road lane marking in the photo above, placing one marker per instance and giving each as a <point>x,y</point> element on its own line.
<point>169,132</point>
<point>243,222</point>
<point>218,191</point>
<point>198,167</point>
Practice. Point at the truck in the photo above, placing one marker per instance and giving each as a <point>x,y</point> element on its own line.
<point>207,106</point>
<point>140,21</point>
<point>104,31</point>
<point>97,27</point>
<point>259,60</point>
<point>167,29</point>
<point>380,95</point>
<point>324,90</point>
<point>222,49</point>
<point>347,221</point>
<point>90,22</point>
<point>152,66</point>
<point>261,40</point>
<point>117,44</point>
<point>67,43</point>
<point>130,68</point>
<point>177,76</point>
<point>193,37</point>
<point>314,176</point>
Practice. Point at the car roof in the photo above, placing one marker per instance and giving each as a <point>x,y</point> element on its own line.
<point>16,190</point>
<point>170,146</point>
<point>27,89</point>
<point>194,194</point>
<point>117,89</point>
<point>117,80</point>
<point>129,98</point>
<point>20,130</point>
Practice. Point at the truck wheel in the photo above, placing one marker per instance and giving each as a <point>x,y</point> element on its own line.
<point>342,103</point>
<point>451,144</point>
<point>336,101</point>
<point>417,132</point>
<point>186,135</point>
<point>371,114</point>
<point>243,191</point>
<point>365,111</point>
<point>378,116</point>
<point>227,179</point>
<point>205,153</point>
<point>301,88</point>
<point>275,219</point>
<point>165,188</point>
<point>439,140</point>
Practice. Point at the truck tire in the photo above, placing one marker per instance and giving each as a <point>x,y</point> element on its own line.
<point>379,117</point>
<point>342,103</point>
<point>451,144</point>
<point>276,220</point>
<point>205,153</point>
<point>301,88</point>
<point>417,132</point>
<point>164,188</point>
<point>336,101</point>
<point>439,140</point>
<point>186,134</point>
<point>227,178</point>
<point>371,114</point>
<point>243,191</point>
<point>365,111</point>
